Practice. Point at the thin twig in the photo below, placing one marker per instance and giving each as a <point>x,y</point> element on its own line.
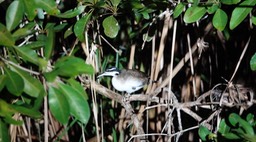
<point>110,45</point>
<point>240,59</point>
<point>20,67</point>
<point>162,44</point>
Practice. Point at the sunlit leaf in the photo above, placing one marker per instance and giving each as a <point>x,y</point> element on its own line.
<point>80,26</point>
<point>220,20</point>
<point>59,106</point>
<point>178,10</point>
<point>6,37</point>
<point>111,26</point>
<point>72,13</point>
<point>194,14</point>
<point>14,83</point>
<point>79,106</point>
<point>14,14</point>
<point>240,13</point>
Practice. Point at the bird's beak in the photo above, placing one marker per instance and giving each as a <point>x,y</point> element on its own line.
<point>101,75</point>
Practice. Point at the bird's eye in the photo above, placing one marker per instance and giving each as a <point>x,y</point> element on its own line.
<point>116,73</point>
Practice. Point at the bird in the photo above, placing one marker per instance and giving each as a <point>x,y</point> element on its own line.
<point>126,80</point>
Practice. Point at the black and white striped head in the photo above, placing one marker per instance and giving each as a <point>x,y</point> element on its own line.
<point>113,71</point>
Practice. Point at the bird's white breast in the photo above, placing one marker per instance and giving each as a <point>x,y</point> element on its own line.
<point>129,85</point>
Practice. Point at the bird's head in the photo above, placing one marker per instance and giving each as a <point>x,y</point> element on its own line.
<point>113,71</point>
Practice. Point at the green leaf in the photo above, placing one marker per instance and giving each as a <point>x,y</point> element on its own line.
<point>27,54</point>
<point>253,18</point>
<point>253,62</point>
<point>250,119</point>
<point>115,3</point>
<point>6,37</point>
<point>80,26</point>
<point>33,45</point>
<point>145,14</point>
<point>230,2</point>
<point>49,6</point>
<point>58,105</point>
<point>220,20</point>
<point>72,13</point>
<point>111,26</point>
<point>33,86</point>
<point>203,132</point>
<point>212,9</point>
<point>14,83</point>
<point>78,87</point>
<point>6,109</point>
<point>14,14</point>
<point>60,27</point>
<point>30,9</point>
<point>50,40</point>
<point>51,76</point>
<point>64,65</point>
<point>10,120</point>
<point>226,33</point>
<point>79,106</point>
<point>68,32</point>
<point>235,118</point>
<point>4,134</point>
<point>231,136</point>
<point>178,10</point>
<point>137,4</point>
<point>223,127</point>
<point>25,31</point>
<point>27,111</point>
<point>194,14</point>
<point>39,100</point>
<point>114,135</point>
<point>2,80</point>
<point>240,13</point>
